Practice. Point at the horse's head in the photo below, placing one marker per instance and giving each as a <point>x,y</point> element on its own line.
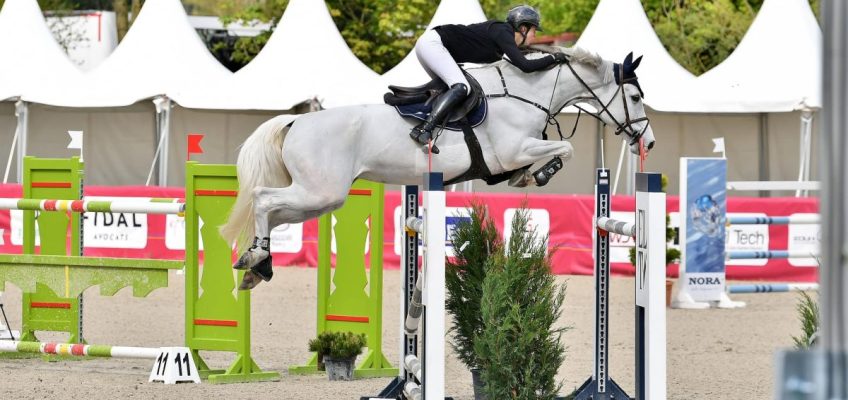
<point>619,103</point>
<point>613,90</point>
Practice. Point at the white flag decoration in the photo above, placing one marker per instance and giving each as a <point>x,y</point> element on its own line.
<point>76,141</point>
<point>719,146</point>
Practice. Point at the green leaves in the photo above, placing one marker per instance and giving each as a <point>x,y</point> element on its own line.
<point>338,345</point>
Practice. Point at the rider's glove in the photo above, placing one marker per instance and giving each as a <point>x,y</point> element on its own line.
<point>560,58</point>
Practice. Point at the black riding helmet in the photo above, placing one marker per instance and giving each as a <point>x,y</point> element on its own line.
<point>524,15</point>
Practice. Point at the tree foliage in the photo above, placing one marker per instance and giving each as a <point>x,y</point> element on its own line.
<point>519,349</point>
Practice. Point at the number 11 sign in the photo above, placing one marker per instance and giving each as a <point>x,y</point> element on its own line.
<point>174,365</point>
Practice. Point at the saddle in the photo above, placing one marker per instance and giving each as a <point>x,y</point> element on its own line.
<point>416,102</point>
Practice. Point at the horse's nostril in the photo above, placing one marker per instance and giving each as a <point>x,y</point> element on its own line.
<point>651,145</point>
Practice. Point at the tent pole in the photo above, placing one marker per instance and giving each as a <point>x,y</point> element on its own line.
<point>804,149</point>
<point>163,131</point>
<point>764,151</point>
<point>21,133</point>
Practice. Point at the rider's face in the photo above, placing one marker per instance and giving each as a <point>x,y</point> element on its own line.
<point>531,36</point>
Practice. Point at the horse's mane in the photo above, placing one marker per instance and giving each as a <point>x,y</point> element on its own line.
<point>575,54</point>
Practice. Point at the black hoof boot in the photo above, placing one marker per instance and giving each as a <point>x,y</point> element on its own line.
<point>544,174</point>
<point>258,273</point>
<point>247,258</point>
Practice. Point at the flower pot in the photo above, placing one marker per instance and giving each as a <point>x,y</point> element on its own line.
<point>339,369</point>
<point>478,384</point>
<point>668,285</point>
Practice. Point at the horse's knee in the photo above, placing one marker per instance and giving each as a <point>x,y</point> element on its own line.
<point>567,151</point>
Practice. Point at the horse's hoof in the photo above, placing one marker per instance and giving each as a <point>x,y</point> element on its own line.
<point>244,262</point>
<point>250,280</point>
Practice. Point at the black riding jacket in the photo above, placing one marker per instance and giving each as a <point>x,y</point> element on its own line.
<point>487,42</point>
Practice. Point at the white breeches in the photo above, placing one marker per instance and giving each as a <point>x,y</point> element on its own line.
<point>437,61</point>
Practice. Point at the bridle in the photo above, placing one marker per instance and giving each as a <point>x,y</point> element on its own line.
<point>626,127</point>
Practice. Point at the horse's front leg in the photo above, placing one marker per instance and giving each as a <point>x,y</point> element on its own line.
<point>533,150</point>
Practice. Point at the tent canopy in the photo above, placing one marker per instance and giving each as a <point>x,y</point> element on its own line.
<point>619,27</point>
<point>775,68</point>
<point>34,59</point>
<point>409,71</point>
<point>160,55</point>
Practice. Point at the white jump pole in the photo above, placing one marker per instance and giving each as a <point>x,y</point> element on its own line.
<point>433,374</point>
<point>422,373</point>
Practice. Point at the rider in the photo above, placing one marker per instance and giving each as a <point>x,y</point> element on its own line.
<point>441,49</point>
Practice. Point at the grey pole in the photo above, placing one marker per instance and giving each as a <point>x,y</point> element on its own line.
<point>833,276</point>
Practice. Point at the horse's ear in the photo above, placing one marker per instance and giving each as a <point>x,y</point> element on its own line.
<point>628,60</point>
<point>635,63</point>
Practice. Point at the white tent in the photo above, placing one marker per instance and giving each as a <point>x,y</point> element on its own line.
<point>305,58</point>
<point>619,27</point>
<point>409,71</point>
<point>33,58</point>
<point>160,55</point>
<point>775,68</point>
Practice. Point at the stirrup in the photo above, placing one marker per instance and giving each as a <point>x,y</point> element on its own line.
<point>420,135</point>
<point>418,132</point>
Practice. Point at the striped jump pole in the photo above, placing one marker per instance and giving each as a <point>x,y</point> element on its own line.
<point>81,350</point>
<point>769,254</point>
<point>615,226</point>
<point>773,288</point>
<point>650,337</point>
<point>154,206</point>
<point>798,220</point>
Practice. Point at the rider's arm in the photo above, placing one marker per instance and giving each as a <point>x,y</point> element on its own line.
<point>506,41</point>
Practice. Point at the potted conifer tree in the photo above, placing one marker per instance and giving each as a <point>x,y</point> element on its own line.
<point>338,351</point>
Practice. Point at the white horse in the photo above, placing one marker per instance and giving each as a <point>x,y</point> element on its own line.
<point>292,175</point>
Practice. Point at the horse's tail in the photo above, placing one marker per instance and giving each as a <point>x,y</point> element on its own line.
<point>260,164</point>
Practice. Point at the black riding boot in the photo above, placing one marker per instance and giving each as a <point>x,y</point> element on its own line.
<point>442,107</point>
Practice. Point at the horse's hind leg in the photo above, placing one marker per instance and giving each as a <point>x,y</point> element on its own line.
<point>277,206</point>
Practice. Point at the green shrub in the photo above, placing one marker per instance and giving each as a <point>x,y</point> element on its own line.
<point>808,314</point>
<point>474,242</point>
<point>337,345</point>
<point>519,349</point>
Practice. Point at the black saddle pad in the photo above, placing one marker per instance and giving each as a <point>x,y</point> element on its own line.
<point>420,111</point>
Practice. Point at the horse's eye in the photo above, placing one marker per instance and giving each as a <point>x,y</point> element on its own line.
<point>635,98</point>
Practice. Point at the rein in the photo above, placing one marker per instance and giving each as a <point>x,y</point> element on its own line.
<point>546,110</point>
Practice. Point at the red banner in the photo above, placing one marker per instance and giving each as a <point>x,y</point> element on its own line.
<point>567,219</point>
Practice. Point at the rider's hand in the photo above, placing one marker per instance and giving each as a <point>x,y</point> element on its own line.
<point>560,58</point>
